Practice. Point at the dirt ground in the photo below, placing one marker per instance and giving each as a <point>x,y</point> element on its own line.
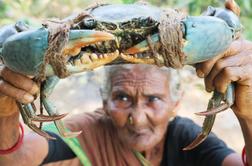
<point>81,93</point>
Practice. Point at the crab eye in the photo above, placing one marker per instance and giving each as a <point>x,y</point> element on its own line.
<point>89,22</point>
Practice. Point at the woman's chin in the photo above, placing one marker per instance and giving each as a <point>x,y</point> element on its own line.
<point>143,143</point>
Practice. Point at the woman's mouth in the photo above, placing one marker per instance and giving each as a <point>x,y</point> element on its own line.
<point>138,131</point>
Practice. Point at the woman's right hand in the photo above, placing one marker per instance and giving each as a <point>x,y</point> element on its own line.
<point>14,87</point>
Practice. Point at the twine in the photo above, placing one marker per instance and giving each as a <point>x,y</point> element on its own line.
<point>171,38</point>
<point>57,40</point>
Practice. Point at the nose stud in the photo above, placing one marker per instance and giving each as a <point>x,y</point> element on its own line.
<point>130,120</point>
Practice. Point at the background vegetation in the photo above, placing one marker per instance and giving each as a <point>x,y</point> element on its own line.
<point>36,10</point>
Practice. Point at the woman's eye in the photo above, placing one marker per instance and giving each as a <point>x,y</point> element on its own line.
<point>153,98</point>
<point>122,97</point>
<point>122,100</point>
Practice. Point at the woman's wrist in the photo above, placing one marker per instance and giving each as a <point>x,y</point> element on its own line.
<point>246,126</point>
<point>243,115</point>
<point>8,106</point>
<point>10,127</point>
<point>17,145</point>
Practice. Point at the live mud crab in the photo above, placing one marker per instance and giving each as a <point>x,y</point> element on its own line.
<point>114,34</point>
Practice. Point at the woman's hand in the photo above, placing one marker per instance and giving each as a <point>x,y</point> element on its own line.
<point>14,87</point>
<point>235,65</point>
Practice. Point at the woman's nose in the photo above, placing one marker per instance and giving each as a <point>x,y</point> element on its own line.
<point>139,116</point>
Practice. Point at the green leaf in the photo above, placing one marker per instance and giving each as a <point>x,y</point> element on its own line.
<point>128,1</point>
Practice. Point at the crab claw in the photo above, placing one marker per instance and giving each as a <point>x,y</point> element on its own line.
<point>144,45</point>
<point>82,38</point>
<point>204,36</point>
<point>88,61</point>
<point>213,111</point>
<point>152,41</point>
<point>24,52</point>
<point>228,102</point>
<point>197,29</point>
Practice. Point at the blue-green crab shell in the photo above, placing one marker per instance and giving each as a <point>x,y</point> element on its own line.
<point>24,52</point>
<point>205,36</point>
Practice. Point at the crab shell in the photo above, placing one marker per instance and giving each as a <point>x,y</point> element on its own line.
<point>205,36</point>
<point>34,43</point>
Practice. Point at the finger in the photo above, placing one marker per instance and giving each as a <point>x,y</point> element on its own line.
<point>231,74</point>
<point>237,60</point>
<point>17,94</point>
<point>232,5</point>
<point>204,68</point>
<point>19,81</point>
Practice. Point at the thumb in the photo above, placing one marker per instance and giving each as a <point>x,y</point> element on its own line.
<point>232,5</point>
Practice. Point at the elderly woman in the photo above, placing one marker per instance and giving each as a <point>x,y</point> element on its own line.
<point>137,124</point>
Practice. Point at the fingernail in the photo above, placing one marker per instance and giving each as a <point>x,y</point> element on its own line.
<point>209,89</point>
<point>200,73</point>
<point>222,90</point>
<point>28,98</point>
<point>34,89</point>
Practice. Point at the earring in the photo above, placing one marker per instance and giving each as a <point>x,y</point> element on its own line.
<point>130,120</point>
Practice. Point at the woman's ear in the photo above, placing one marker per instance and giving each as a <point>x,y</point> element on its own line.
<point>176,107</point>
<point>105,106</point>
<point>177,104</point>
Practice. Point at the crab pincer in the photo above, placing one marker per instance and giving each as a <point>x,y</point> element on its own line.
<point>31,53</point>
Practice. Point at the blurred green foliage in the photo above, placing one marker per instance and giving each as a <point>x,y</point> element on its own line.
<point>36,10</point>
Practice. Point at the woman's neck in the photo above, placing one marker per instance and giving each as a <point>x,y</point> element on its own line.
<point>155,154</point>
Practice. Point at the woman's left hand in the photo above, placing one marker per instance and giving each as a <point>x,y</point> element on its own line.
<point>235,65</point>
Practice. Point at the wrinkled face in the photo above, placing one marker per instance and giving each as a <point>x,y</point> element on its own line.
<point>142,93</point>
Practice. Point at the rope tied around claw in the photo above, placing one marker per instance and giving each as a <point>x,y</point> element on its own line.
<point>57,40</point>
<point>171,38</point>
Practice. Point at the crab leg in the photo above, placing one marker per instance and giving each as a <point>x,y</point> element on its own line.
<point>229,101</point>
<point>50,108</point>
<point>25,113</point>
<point>40,118</point>
<point>208,122</point>
<point>48,87</point>
<point>214,107</point>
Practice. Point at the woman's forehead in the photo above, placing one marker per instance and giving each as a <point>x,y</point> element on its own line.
<point>139,74</point>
